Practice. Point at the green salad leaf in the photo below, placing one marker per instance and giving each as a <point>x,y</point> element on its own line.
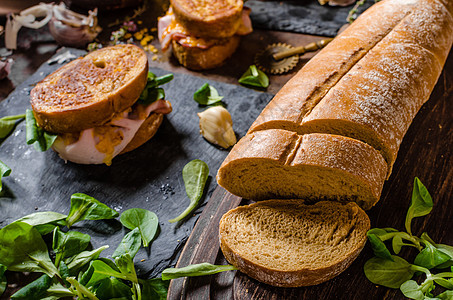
<point>78,261</point>
<point>45,222</point>
<point>129,244</point>
<point>421,203</point>
<point>207,95</point>
<point>389,273</point>
<point>66,244</point>
<point>195,270</point>
<point>34,290</point>
<point>146,221</point>
<point>431,257</point>
<point>254,77</point>
<point>3,281</point>
<point>8,123</point>
<point>84,207</point>
<point>41,139</point>
<point>152,92</point>
<point>379,247</point>
<point>22,249</point>
<point>195,174</point>
<point>4,172</point>
<point>155,289</point>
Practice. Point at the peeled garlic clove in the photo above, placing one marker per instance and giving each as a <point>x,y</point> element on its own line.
<point>217,127</point>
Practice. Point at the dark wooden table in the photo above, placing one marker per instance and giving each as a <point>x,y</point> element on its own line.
<point>426,152</point>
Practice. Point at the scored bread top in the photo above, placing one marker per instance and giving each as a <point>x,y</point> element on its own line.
<point>89,91</point>
<point>208,18</point>
<point>288,243</point>
<point>280,164</point>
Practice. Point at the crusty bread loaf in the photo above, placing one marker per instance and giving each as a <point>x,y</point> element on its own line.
<point>289,244</point>
<point>202,59</point>
<point>209,19</point>
<point>277,163</point>
<point>89,91</point>
<point>371,80</point>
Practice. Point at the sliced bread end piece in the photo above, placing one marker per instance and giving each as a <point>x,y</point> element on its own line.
<point>277,164</point>
<point>287,243</point>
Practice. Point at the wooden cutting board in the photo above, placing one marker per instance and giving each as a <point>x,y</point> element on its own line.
<point>426,152</point>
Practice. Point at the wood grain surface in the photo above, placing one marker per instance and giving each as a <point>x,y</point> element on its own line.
<point>426,152</point>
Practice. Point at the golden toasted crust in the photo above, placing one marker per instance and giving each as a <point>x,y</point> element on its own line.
<point>88,91</point>
<point>146,131</point>
<point>201,59</point>
<point>207,18</point>
<point>277,163</point>
<point>287,243</point>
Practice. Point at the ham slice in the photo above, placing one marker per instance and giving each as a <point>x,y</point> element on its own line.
<point>92,147</point>
<point>168,29</point>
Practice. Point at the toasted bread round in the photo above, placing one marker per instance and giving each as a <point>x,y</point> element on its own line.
<point>202,59</point>
<point>145,132</point>
<point>209,19</point>
<point>88,91</point>
<point>287,243</point>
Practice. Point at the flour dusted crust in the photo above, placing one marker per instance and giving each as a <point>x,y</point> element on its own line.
<point>281,164</point>
<point>88,91</point>
<point>294,244</point>
<point>208,18</point>
<point>376,81</point>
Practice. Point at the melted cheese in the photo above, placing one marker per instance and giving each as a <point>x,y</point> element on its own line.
<point>101,144</point>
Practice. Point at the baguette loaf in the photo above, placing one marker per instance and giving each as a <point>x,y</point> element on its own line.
<point>277,163</point>
<point>287,243</point>
<point>371,80</point>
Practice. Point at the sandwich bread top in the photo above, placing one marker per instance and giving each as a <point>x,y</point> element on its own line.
<point>91,90</point>
<point>209,19</point>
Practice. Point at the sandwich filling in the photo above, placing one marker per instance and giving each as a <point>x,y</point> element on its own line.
<point>169,29</point>
<point>102,143</point>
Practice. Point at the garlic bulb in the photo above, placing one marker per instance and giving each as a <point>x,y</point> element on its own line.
<point>67,27</point>
<point>72,29</point>
<point>217,127</point>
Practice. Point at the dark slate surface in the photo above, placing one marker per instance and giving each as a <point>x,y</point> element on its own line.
<point>301,16</point>
<point>149,177</point>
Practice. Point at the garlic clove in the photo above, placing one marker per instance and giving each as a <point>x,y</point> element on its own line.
<point>216,126</point>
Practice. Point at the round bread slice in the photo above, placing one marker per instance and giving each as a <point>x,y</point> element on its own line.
<point>146,131</point>
<point>202,59</point>
<point>209,19</point>
<point>287,243</point>
<point>88,91</point>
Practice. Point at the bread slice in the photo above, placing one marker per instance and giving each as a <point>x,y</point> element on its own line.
<point>369,82</point>
<point>277,163</point>
<point>88,91</point>
<point>146,131</point>
<point>209,19</point>
<point>202,59</point>
<point>287,243</point>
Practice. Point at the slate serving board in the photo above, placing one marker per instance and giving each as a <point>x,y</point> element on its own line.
<point>301,16</point>
<point>148,177</point>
